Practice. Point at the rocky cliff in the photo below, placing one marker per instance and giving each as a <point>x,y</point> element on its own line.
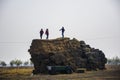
<point>63,52</point>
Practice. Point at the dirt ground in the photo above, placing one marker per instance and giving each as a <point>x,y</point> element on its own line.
<point>112,73</point>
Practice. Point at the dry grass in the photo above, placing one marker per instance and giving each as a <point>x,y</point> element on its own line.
<point>113,67</point>
<point>112,73</point>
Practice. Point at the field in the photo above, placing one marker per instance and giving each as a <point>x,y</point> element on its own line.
<point>112,73</point>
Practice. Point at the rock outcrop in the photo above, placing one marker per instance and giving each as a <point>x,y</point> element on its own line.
<point>64,52</point>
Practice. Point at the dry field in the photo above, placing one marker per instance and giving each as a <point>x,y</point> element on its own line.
<point>112,73</point>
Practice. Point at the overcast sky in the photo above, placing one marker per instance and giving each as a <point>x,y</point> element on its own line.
<point>97,22</point>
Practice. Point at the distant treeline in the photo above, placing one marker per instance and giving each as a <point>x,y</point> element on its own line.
<point>16,63</point>
<point>114,61</point>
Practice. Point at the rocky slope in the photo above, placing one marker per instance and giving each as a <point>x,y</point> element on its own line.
<point>63,52</point>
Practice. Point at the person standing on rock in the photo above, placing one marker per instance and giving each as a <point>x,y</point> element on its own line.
<point>63,30</point>
<point>47,33</point>
<point>41,33</point>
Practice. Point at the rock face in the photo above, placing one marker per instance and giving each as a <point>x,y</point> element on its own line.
<point>64,52</point>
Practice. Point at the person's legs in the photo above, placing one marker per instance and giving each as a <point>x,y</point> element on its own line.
<point>41,36</point>
<point>62,34</point>
<point>47,37</point>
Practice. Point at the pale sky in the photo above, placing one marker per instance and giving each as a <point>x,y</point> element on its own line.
<point>97,22</point>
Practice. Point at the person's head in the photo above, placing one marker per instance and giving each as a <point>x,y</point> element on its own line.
<point>62,27</point>
<point>41,29</point>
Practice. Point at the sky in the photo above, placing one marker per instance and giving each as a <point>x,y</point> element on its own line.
<point>97,22</point>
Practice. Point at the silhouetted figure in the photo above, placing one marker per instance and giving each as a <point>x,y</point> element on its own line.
<point>47,33</point>
<point>41,33</point>
<point>63,30</point>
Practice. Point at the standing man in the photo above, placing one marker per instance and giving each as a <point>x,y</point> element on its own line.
<point>41,33</point>
<point>47,33</point>
<point>63,30</point>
